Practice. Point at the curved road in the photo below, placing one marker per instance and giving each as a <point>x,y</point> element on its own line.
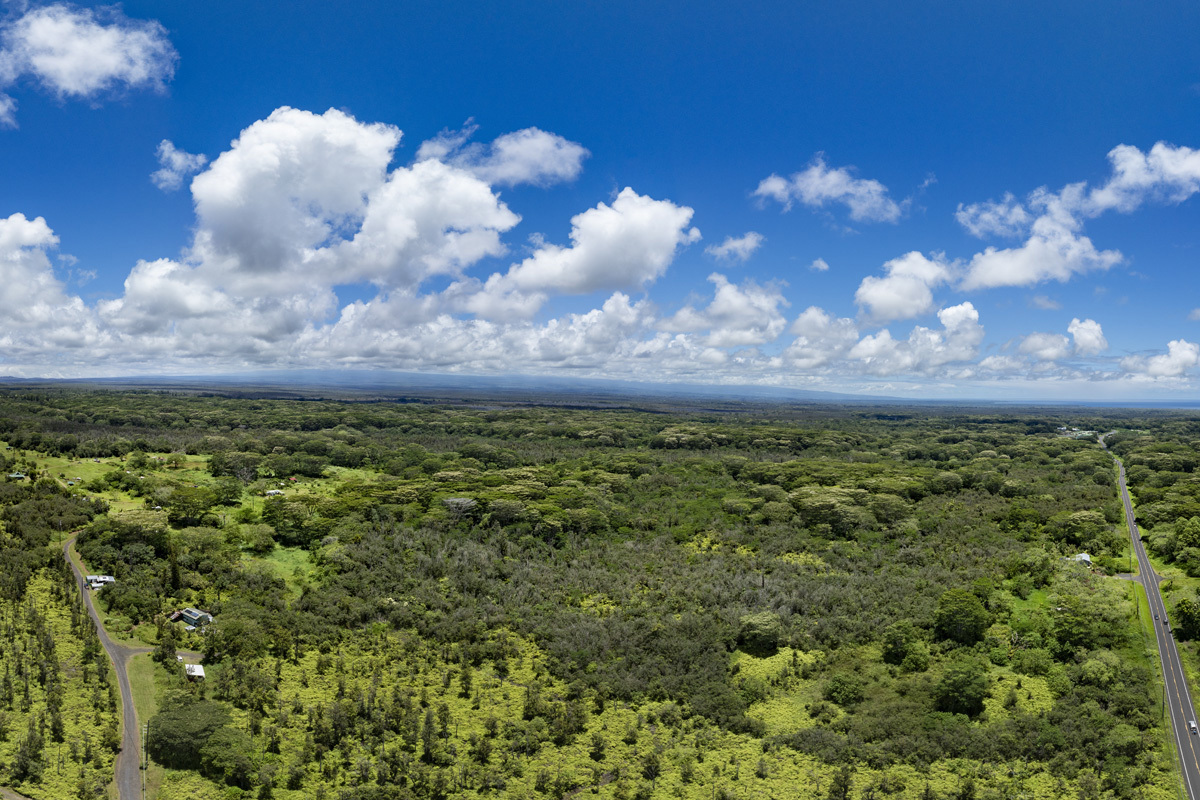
<point>1178,696</point>
<point>128,776</point>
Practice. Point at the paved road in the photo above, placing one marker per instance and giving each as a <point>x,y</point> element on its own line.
<point>1179,698</point>
<point>128,774</point>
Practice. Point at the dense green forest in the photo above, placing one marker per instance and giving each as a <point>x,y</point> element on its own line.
<point>421,599</point>
<point>58,706</point>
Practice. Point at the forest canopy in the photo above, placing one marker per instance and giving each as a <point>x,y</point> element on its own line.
<point>470,590</point>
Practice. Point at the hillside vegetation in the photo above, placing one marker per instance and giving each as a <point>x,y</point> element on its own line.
<point>420,600</point>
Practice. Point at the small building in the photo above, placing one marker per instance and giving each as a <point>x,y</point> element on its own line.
<point>99,581</point>
<point>17,476</point>
<point>1082,558</point>
<point>194,672</point>
<point>274,492</point>
<point>192,617</point>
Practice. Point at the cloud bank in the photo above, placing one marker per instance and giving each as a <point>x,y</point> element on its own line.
<point>302,206</point>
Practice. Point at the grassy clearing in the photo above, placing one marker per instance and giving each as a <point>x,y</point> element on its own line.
<point>1038,601</point>
<point>142,674</point>
<point>293,564</point>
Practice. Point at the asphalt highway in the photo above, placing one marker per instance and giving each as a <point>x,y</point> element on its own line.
<point>1178,696</point>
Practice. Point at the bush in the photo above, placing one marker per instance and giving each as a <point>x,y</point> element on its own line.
<point>844,688</point>
<point>760,633</point>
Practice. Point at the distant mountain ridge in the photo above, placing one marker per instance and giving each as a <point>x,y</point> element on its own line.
<point>550,389</point>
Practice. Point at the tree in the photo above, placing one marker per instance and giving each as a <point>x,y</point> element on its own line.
<point>187,505</point>
<point>1188,532</point>
<point>963,687</point>
<point>960,617</point>
<point>842,784</point>
<point>178,733</point>
<point>225,757</point>
<point>898,641</point>
<point>1187,618</point>
<point>28,764</point>
<point>844,688</point>
<point>760,633</point>
<point>164,651</point>
<point>651,767</point>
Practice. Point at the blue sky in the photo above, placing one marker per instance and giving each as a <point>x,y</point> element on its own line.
<point>940,199</point>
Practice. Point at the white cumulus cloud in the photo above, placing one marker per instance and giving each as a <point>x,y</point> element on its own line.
<point>1180,357</point>
<point>174,166</point>
<point>738,316</point>
<point>821,339</point>
<point>299,204</point>
<point>926,349</point>
<point>620,246</point>
<point>1088,337</point>
<point>83,53</point>
<point>40,317</point>
<point>906,290</point>
<point>1046,346</point>
<point>819,185</point>
<point>1055,247</point>
<point>991,218</point>
<point>1055,250</point>
<point>530,156</point>
<point>739,249</point>
<point>1167,174</point>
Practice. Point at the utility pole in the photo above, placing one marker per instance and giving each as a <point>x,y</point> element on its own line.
<point>145,763</point>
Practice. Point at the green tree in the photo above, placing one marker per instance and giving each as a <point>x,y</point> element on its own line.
<point>164,651</point>
<point>960,617</point>
<point>760,633</point>
<point>1188,532</point>
<point>226,757</point>
<point>898,641</point>
<point>178,733</point>
<point>844,688</point>
<point>842,783</point>
<point>963,687</point>
<point>1187,619</point>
